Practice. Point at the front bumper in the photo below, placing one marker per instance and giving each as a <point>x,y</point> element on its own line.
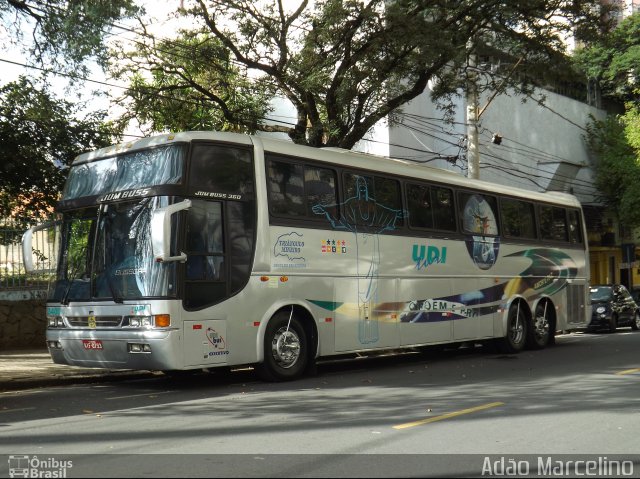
<point>115,351</point>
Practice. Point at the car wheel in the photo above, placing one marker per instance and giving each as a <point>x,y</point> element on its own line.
<point>285,349</point>
<point>635,324</point>
<point>613,324</point>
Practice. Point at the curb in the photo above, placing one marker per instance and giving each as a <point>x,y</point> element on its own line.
<point>16,384</point>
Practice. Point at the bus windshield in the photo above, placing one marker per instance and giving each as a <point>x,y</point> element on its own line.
<point>138,169</point>
<point>107,254</point>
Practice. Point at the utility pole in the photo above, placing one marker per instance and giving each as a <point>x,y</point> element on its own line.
<point>473,152</point>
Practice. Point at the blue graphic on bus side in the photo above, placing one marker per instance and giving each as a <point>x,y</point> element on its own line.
<point>366,219</point>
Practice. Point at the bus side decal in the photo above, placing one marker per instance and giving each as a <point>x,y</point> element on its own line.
<point>546,275</point>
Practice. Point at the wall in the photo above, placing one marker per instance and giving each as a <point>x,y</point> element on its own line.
<point>542,148</point>
<point>22,320</point>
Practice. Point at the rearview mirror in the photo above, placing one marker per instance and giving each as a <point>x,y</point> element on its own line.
<point>27,245</point>
<point>161,232</point>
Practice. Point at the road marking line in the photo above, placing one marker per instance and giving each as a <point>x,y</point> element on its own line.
<point>448,415</point>
<point>628,371</point>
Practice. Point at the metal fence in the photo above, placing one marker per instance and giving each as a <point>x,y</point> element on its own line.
<point>12,272</point>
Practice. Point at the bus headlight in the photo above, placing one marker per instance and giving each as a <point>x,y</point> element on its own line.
<point>54,344</point>
<point>147,322</point>
<point>55,321</point>
<point>138,347</point>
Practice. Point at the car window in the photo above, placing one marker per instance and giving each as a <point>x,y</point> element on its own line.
<point>601,293</point>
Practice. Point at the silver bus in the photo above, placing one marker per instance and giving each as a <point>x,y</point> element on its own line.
<point>202,249</point>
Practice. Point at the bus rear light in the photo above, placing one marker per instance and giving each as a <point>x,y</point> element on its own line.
<point>139,347</point>
<point>284,279</point>
<point>264,279</point>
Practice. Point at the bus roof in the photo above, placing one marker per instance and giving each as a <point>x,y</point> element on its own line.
<point>336,156</point>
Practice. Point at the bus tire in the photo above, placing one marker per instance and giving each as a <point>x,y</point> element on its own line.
<point>285,348</point>
<point>516,336</point>
<point>539,331</point>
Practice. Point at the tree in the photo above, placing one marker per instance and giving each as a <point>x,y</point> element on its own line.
<point>613,63</point>
<point>174,97</point>
<point>63,33</point>
<point>345,64</point>
<point>40,135</point>
<point>616,168</point>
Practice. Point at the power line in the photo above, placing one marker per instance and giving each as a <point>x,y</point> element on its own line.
<point>535,172</point>
<point>426,124</point>
<point>435,155</point>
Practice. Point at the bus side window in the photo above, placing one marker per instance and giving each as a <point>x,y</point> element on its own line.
<point>518,220</point>
<point>575,229</point>
<point>221,169</point>
<point>320,189</point>
<point>553,223</point>
<point>204,241</point>
<point>444,215</point>
<point>373,202</point>
<point>431,207</point>
<point>420,206</point>
<point>286,188</point>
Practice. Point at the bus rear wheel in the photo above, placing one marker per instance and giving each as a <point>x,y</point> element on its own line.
<point>285,348</point>
<point>539,334</point>
<point>515,339</point>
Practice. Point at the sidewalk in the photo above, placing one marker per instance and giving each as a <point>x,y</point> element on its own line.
<point>33,368</point>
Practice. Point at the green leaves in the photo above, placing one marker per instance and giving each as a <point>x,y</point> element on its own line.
<point>614,61</point>
<point>343,65</point>
<point>40,137</point>
<point>189,83</point>
<point>62,34</point>
<point>617,168</point>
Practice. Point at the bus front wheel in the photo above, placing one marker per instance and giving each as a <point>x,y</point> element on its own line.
<point>285,348</point>
<point>515,339</point>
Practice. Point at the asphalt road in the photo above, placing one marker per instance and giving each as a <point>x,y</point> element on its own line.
<point>448,414</point>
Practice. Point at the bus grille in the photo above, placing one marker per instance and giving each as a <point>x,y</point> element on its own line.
<point>575,303</point>
<point>101,321</point>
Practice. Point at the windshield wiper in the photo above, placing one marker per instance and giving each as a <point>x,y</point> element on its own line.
<point>115,292</point>
<point>64,300</point>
